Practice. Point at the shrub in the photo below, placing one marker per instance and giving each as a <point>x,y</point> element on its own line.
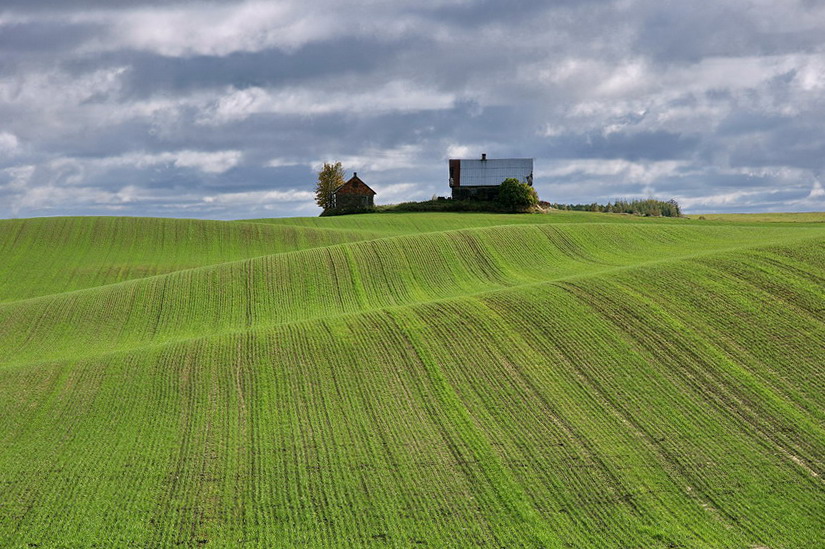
<point>516,195</point>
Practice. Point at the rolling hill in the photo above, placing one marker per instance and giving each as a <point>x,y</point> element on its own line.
<point>412,380</point>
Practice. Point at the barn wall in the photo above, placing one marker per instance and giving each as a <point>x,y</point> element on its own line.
<point>348,201</point>
<point>480,192</point>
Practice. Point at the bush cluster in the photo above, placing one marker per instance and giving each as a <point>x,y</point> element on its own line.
<point>516,196</point>
<point>647,207</point>
<point>444,205</point>
<point>513,197</point>
<point>347,211</point>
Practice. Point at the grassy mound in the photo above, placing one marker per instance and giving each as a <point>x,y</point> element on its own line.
<point>466,380</point>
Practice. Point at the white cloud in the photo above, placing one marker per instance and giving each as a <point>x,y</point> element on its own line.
<point>370,159</point>
<point>627,171</point>
<point>817,191</point>
<point>214,162</point>
<point>8,144</point>
<point>259,197</point>
<point>201,28</point>
<point>398,192</point>
<point>207,29</point>
<point>208,162</point>
<point>54,196</point>
<point>396,96</point>
<point>282,163</point>
<point>680,97</point>
<point>743,198</point>
<point>459,151</point>
<point>374,159</point>
<point>17,177</point>
<point>67,182</point>
<point>54,89</point>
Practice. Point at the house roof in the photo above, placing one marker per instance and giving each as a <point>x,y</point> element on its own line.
<point>354,186</point>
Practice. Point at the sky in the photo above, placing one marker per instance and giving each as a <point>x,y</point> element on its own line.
<point>227,110</point>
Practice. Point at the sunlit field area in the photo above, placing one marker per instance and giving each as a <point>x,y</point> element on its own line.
<point>570,379</point>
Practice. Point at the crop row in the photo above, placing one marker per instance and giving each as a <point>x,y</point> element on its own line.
<point>576,413</point>
<point>578,386</point>
<point>336,280</point>
<point>608,410</point>
<point>53,255</point>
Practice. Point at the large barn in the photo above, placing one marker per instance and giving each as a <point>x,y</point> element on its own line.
<point>478,179</point>
<point>352,195</point>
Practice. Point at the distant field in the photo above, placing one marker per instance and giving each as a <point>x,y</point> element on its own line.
<point>413,380</point>
<point>810,217</point>
<point>420,222</point>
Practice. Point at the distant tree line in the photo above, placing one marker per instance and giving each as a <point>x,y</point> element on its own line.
<point>646,207</point>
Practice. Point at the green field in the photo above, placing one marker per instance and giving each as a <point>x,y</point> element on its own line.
<point>807,217</point>
<point>413,380</point>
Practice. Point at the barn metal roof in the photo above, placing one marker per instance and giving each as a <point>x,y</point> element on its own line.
<point>493,171</point>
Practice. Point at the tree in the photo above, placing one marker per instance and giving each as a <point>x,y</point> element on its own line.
<point>330,177</point>
<point>514,194</point>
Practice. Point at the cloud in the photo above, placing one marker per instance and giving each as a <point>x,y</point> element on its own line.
<point>218,29</point>
<point>817,191</point>
<point>259,197</point>
<point>399,192</point>
<point>150,107</point>
<point>16,178</point>
<point>53,197</point>
<point>402,96</point>
<point>209,162</point>
<point>214,162</point>
<point>724,199</point>
<point>9,144</point>
<point>636,172</point>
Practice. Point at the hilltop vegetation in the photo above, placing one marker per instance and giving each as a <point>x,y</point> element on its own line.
<point>646,207</point>
<point>441,380</point>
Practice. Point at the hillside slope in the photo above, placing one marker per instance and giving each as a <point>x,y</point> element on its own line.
<point>536,385</point>
<point>52,255</point>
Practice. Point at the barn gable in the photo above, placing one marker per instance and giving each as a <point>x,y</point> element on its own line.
<point>353,195</point>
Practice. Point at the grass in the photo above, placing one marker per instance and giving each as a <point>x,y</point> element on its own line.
<point>390,224</point>
<point>807,217</point>
<point>428,380</point>
<point>52,255</point>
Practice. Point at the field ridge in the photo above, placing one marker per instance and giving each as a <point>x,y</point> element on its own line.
<point>602,271</point>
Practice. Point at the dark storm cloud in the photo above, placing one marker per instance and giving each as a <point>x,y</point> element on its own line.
<point>227,109</point>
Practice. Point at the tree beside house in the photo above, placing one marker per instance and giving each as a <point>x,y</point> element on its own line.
<point>336,196</point>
